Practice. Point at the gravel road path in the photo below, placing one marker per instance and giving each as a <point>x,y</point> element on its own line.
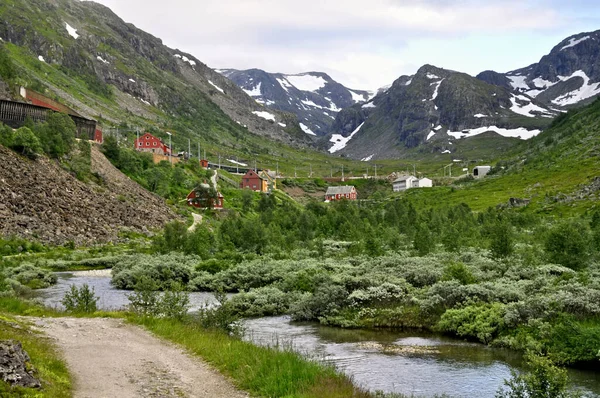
<point>110,358</point>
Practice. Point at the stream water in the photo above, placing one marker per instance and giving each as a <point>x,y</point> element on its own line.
<point>421,364</point>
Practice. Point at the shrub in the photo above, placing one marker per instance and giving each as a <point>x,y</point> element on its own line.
<point>477,321</point>
<point>25,142</point>
<point>32,276</point>
<point>82,300</point>
<point>264,301</point>
<point>568,244</point>
<point>544,380</point>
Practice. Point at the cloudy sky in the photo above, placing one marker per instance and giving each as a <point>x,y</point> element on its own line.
<point>363,44</point>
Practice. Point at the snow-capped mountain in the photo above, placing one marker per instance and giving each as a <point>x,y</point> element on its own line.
<point>433,110</point>
<point>566,77</point>
<point>313,96</point>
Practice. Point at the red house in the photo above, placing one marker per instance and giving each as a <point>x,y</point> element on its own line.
<point>149,143</point>
<point>199,201</point>
<point>337,193</point>
<point>252,181</point>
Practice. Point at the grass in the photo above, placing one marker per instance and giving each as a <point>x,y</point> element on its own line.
<point>50,367</point>
<point>261,371</point>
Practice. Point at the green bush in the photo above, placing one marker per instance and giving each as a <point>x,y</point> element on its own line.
<point>26,143</point>
<point>482,322</point>
<point>544,380</point>
<point>568,244</point>
<point>31,276</point>
<point>82,300</point>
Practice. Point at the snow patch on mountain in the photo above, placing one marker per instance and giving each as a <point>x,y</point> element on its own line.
<point>520,132</point>
<point>306,129</point>
<point>71,31</point>
<point>99,58</point>
<point>369,105</point>
<point>41,58</point>
<point>255,92</point>
<point>573,42</point>
<point>340,142</point>
<point>284,84</point>
<point>306,82</point>
<point>586,91</point>
<point>518,82</point>
<point>356,97</point>
<point>527,108</point>
<point>368,158</point>
<point>431,134</point>
<point>480,115</point>
<point>185,59</point>
<point>217,87</point>
<point>431,76</point>
<point>435,91</point>
<point>265,115</point>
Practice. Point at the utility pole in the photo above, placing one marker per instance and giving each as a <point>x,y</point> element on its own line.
<point>342,173</point>
<point>137,130</point>
<point>414,170</point>
<point>170,149</point>
<point>255,169</point>
<point>277,174</point>
<point>199,151</point>
<point>310,175</point>
<point>189,148</point>
<point>219,161</point>
<point>295,175</point>
<point>375,171</point>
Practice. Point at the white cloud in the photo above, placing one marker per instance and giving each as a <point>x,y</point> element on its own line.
<point>363,45</point>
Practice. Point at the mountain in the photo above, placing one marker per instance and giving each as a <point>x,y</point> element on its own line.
<point>568,76</point>
<point>313,96</point>
<point>85,56</point>
<point>430,112</point>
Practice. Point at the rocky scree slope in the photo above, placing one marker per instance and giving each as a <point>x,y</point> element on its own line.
<point>128,73</point>
<point>429,112</point>
<point>313,96</point>
<point>40,200</point>
<point>568,76</point>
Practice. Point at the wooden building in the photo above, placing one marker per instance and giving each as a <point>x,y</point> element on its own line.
<point>347,192</point>
<point>263,181</point>
<point>149,143</point>
<point>200,198</point>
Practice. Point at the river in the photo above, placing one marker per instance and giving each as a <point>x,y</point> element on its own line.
<point>421,364</point>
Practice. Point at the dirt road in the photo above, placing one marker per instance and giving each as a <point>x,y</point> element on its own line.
<point>109,358</point>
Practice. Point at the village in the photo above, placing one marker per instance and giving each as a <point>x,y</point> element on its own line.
<point>205,195</point>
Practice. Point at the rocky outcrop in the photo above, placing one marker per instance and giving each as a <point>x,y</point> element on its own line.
<point>429,112</point>
<point>41,201</point>
<point>15,368</point>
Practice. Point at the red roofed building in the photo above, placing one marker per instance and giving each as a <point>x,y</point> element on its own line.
<point>149,143</point>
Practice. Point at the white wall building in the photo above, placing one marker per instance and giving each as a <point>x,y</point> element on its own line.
<point>481,171</point>
<point>403,183</point>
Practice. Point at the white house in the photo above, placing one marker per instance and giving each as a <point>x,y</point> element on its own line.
<point>423,183</point>
<point>481,171</point>
<point>403,183</point>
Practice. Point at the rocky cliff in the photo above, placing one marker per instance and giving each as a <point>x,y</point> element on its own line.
<point>430,111</point>
<point>40,200</point>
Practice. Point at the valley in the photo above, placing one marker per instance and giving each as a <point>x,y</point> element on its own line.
<point>274,224</point>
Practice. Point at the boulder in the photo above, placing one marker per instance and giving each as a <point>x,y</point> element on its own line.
<point>15,368</point>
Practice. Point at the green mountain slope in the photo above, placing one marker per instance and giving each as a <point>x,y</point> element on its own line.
<point>558,171</point>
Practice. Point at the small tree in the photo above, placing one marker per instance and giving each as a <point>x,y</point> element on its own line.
<point>545,380</point>
<point>502,240</point>
<point>423,241</point>
<point>568,244</point>
<point>57,135</point>
<point>25,142</point>
<point>82,300</point>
